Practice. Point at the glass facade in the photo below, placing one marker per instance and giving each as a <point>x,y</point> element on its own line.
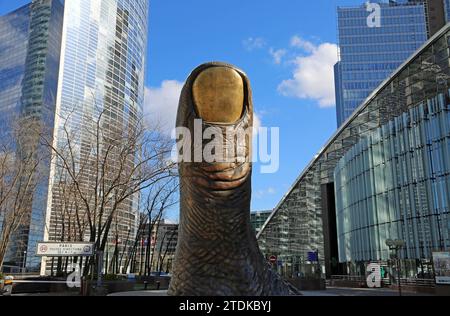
<point>39,102</point>
<point>13,52</point>
<point>102,74</point>
<point>257,219</point>
<point>303,220</point>
<point>447,10</point>
<point>368,55</point>
<point>395,184</point>
<point>29,64</point>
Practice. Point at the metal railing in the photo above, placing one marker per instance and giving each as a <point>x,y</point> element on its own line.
<point>38,282</point>
<point>387,282</point>
<point>418,282</point>
<point>357,278</point>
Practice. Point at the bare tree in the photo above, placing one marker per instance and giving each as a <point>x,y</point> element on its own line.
<point>156,201</point>
<point>162,255</point>
<point>106,162</point>
<point>159,199</point>
<point>20,173</point>
<point>131,258</point>
<point>68,222</point>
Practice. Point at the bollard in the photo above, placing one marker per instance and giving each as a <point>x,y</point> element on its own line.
<point>158,285</point>
<point>145,285</point>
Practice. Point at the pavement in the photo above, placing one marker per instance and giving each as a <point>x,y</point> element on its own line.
<point>47,294</point>
<point>331,291</point>
<point>140,293</point>
<point>339,291</point>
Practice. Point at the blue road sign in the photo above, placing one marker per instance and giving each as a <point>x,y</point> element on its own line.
<point>313,256</point>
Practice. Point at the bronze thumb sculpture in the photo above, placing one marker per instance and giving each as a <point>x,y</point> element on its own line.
<point>217,252</point>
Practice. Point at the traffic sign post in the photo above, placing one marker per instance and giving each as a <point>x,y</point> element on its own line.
<point>313,256</point>
<point>273,259</point>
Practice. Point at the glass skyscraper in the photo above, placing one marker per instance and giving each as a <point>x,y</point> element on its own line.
<point>447,9</point>
<point>13,53</point>
<point>370,52</point>
<point>29,64</point>
<point>62,63</point>
<point>102,73</point>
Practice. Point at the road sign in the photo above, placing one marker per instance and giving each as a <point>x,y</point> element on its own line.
<point>49,249</point>
<point>313,256</point>
<point>273,259</point>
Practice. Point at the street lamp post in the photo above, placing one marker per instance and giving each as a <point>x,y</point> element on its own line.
<point>24,261</point>
<point>396,245</point>
<point>319,268</point>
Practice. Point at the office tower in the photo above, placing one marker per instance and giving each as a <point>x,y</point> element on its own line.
<point>373,44</point>
<point>447,10</point>
<point>13,52</point>
<point>102,73</point>
<point>69,63</point>
<point>29,65</point>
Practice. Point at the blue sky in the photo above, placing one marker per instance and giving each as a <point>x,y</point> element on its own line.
<point>286,47</point>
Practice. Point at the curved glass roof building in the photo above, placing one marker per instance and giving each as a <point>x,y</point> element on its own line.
<point>384,174</point>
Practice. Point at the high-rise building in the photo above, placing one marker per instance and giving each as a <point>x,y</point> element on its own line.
<point>374,43</point>
<point>447,9</point>
<point>29,64</point>
<point>64,63</point>
<point>102,71</point>
<point>13,53</point>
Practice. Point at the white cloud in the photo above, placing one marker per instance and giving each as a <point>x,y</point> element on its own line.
<point>277,55</point>
<point>259,194</point>
<point>256,124</point>
<point>313,74</point>
<point>161,104</point>
<point>298,42</point>
<point>254,43</point>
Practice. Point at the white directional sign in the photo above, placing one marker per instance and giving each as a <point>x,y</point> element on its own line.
<point>48,249</point>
